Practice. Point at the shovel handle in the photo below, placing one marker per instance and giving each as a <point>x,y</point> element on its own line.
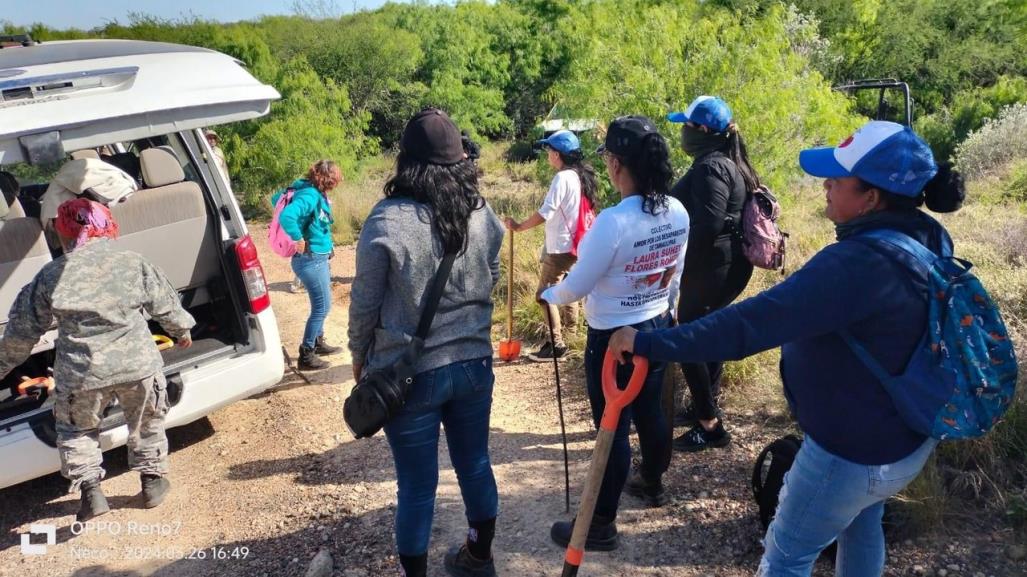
<point>617,399</point>
<point>509,291</point>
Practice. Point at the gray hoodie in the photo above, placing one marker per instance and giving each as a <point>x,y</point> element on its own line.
<point>397,256</point>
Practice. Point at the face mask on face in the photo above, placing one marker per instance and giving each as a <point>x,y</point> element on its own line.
<point>697,143</point>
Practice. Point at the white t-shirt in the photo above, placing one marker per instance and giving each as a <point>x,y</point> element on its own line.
<point>560,210</point>
<point>629,265</point>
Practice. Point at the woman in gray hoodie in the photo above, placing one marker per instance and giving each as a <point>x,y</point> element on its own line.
<point>432,206</point>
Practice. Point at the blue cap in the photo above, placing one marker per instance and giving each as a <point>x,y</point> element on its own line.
<point>563,141</point>
<point>888,155</point>
<point>709,111</point>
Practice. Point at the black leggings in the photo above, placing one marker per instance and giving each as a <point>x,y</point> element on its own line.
<point>702,293</point>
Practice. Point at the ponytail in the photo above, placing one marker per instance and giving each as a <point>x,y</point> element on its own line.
<point>739,154</point>
<point>650,167</point>
<point>943,193</point>
<point>574,160</point>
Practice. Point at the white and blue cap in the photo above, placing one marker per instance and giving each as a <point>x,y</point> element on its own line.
<point>563,141</point>
<point>709,111</point>
<point>888,155</point>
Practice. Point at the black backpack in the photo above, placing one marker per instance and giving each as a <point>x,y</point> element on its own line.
<point>768,475</point>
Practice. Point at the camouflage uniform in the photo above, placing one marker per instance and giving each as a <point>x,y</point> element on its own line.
<point>104,350</point>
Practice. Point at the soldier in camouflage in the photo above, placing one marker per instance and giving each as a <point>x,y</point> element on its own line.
<point>104,350</point>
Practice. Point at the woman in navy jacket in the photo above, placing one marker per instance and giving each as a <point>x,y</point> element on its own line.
<point>857,451</point>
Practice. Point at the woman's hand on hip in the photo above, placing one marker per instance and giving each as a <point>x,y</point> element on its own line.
<point>301,246</point>
<point>622,343</point>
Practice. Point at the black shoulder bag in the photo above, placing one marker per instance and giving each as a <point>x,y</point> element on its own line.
<point>381,393</point>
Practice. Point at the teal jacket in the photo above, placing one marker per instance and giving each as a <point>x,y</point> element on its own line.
<point>307,217</point>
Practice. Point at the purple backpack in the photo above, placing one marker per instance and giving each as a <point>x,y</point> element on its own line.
<point>763,242</point>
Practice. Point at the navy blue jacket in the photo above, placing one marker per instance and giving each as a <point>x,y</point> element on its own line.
<point>850,284</point>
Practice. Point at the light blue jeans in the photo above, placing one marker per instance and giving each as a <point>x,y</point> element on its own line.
<point>316,276</point>
<point>826,498</point>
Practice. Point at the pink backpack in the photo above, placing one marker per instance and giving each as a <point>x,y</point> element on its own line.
<point>281,243</point>
<point>763,242</point>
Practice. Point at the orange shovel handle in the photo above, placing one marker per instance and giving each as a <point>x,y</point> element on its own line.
<point>617,399</point>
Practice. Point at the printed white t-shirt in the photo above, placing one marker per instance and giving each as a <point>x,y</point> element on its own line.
<point>629,265</point>
<point>560,210</point>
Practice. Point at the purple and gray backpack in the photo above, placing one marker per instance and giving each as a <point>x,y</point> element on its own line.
<point>762,241</point>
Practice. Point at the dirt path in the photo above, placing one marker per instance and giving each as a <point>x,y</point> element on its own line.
<point>278,477</point>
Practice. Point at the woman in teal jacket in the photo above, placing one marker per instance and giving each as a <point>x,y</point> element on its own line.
<point>307,219</point>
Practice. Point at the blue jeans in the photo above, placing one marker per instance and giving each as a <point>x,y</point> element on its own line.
<point>312,270</point>
<point>459,396</point>
<point>654,432</point>
<point>826,498</point>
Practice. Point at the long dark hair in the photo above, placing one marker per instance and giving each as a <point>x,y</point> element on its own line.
<point>451,192</point>
<point>574,160</point>
<point>943,193</point>
<point>739,154</point>
<point>650,168</point>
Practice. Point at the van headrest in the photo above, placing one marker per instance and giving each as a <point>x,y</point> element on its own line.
<point>160,168</point>
<point>85,153</point>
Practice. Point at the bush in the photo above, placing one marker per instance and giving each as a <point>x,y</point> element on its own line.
<point>996,144</point>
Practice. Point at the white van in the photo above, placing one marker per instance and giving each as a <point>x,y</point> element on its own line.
<point>140,106</point>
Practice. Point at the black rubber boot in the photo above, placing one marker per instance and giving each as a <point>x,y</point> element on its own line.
<point>94,503</point>
<point>602,534</point>
<point>309,361</point>
<point>155,488</point>
<point>322,348</point>
<point>460,563</point>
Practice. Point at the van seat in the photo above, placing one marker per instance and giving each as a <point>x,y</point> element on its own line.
<point>167,222</point>
<point>23,253</point>
<point>85,153</point>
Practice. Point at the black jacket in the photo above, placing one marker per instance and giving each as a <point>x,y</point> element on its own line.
<point>713,192</point>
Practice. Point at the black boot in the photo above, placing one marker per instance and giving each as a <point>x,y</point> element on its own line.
<point>460,563</point>
<point>322,348</point>
<point>652,492</point>
<point>602,534</point>
<point>155,488</point>
<point>94,503</point>
<point>309,361</point>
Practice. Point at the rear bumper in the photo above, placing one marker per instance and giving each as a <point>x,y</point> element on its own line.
<point>205,389</point>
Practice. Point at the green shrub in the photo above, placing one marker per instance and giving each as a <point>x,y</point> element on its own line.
<point>996,144</point>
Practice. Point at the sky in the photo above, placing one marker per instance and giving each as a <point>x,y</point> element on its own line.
<point>86,14</point>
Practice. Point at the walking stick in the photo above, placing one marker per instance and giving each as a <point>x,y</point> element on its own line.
<point>559,403</point>
<point>616,400</point>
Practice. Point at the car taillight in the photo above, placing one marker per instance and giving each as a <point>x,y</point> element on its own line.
<point>252,275</point>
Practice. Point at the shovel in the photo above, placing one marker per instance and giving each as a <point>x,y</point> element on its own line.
<point>510,349</point>
<point>616,400</point>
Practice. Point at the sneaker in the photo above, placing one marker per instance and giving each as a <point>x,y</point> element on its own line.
<point>460,563</point>
<point>548,352</point>
<point>687,416</point>
<point>94,503</point>
<point>155,488</point>
<point>654,494</point>
<point>698,438</point>
<point>602,535</point>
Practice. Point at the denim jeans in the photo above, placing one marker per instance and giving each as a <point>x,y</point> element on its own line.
<point>312,270</point>
<point>459,396</point>
<point>825,498</point>
<point>654,432</point>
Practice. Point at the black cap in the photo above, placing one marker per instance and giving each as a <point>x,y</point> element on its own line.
<point>625,135</point>
<point>430,136</point>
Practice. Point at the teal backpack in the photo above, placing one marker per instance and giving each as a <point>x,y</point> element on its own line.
<point>962,376</point>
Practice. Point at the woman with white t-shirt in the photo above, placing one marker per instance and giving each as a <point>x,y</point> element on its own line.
<point>574,183</point>
<point>629,268</point>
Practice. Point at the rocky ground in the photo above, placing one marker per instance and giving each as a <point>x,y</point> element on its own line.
<point>261,487</point>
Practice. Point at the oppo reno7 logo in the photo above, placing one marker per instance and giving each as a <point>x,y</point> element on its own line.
<point>30,548</point>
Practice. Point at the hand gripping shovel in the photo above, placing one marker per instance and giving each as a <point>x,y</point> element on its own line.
<point>616,400</point>
<point>510,349</point>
